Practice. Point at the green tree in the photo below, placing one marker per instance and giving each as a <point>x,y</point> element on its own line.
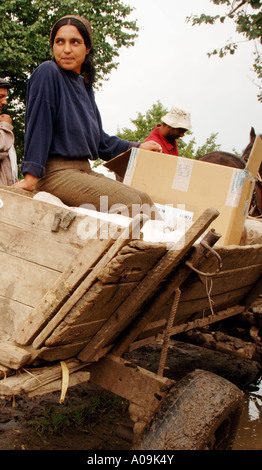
<point>247,16</point>
<point>145,123</point>
<point>24,37</point>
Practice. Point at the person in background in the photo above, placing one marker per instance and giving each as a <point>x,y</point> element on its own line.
<point>8,159</point>
<point>63,128</point>
<point>174,125</point>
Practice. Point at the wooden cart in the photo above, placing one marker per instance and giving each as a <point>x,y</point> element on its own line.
<point>72,306</point>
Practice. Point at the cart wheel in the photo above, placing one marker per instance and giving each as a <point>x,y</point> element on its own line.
<point>201,412</point>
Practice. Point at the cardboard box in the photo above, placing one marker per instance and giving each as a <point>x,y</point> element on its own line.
<point>194,185</point>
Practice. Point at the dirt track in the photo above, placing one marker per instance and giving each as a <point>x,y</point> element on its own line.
<point>90,418</point>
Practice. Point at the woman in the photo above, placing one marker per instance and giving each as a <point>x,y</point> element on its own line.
<point>64,129</point>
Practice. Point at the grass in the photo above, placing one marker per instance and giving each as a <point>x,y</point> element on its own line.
<point>83,416</point>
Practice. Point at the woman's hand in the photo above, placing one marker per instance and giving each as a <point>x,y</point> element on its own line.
<point>151,145</point>
<point>28,183</point>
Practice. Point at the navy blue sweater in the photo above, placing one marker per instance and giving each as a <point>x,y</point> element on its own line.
<point>62,119</point>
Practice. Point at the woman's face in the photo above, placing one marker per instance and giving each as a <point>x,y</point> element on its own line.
<point>69,48</point>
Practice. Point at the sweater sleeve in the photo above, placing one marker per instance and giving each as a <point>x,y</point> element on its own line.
<point>111,146</point>
<point>6,138</point>
<point>39,120</point>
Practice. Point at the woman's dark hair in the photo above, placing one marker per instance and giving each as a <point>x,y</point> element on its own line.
<point>87,69</point>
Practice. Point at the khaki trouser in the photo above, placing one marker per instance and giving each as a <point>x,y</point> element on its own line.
<point>76,185</point>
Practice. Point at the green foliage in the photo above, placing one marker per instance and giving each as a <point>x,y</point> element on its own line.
<point>24,38</point>
<point>145,123</point>
<point>247,16</point>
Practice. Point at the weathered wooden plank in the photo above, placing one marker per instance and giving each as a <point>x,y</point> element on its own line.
<point>95,306</point>
<point>29,214</point>
<point>223,282</point>
<point>23,281</point>
<point>86,283</point>
<point>137,385</point>
<point>201,307</point>
<point>254,293</point>
<point>105,299</point>
<point>33,380</point>
<point>165,295</point>
<point>129,309</point>
<point>75,379</point>
<point>99,301</point>
<point>198,323</point>
<point>221,342</point>
<point>234,257</point>
<point>132,266</point>
<point>60,290</point>
<point>12,314</point>
<point>61,352</point>
<point>65,334</point>
<point>12,356</point>
<point>5,371</point>
<point>39,247</point>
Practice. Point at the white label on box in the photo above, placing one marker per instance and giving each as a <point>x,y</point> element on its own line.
<point>183,174</point>
<point>235,188</point>
<point>130,167</point>
<point>168,212</point>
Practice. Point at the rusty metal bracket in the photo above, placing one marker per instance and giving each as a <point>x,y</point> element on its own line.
<point>167,332</point>
<point>62,220</point>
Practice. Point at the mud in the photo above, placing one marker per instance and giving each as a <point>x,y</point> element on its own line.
<point>26,424</point>
<point>40,423</point>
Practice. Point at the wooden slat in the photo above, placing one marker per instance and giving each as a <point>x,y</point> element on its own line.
<point>223,282</point>
<point>29,214</point>
<point>234,257</point>
<point>31,381</point>
<point>61,352</point>
<point>201,306</point>
<point>60,290</point>
<point>189,325</point>
<point>115,374</point>
<point>35,246</point>
<point>165,295</point>
<point>70,334</point>
<point>131,266</point>
<point>86,283</point>
<point>12,356</point>
<point>129,309</point>
<point>23,281</point>
<point>12,314</point>
<point>102,300</point>
<point>96,305</point>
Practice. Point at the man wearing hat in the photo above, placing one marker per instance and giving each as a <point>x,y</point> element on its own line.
<point>174,125</point>
<point>8,160</point>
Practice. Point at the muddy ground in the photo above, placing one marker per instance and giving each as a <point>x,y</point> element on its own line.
<point>94,419</point>
<point>44,424</point>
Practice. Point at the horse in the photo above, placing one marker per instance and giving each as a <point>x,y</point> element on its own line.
<point>229,159</point>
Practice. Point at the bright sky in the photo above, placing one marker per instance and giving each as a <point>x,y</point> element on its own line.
<point>169,63</point>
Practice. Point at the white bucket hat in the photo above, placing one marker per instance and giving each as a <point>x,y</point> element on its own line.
<point>178,117</point>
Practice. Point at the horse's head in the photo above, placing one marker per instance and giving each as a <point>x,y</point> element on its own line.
<point>248,149</point>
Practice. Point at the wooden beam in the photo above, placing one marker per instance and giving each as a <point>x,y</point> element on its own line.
<point>139,386</point>
<point>81,289</point>
<point>129,309</point>
<point>166,292</point>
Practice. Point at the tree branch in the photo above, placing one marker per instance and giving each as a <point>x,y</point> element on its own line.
<point>237,8</point>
